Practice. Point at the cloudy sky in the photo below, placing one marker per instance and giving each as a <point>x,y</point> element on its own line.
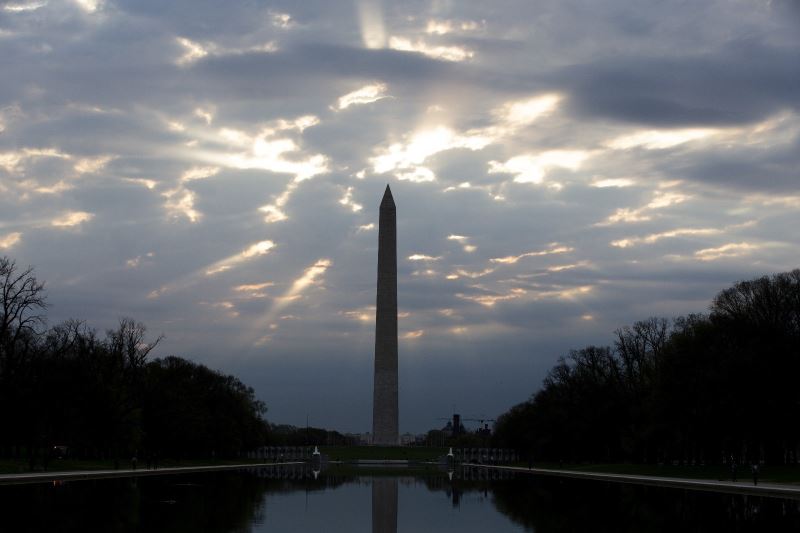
<point>561,168</point>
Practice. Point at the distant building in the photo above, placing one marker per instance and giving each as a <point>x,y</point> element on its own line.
<point>454,428</point>
<point>407,439</point>
<point>364,439</point>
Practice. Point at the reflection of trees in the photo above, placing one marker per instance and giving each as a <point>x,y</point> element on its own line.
<point>549,504</point>
<point>215,502</point>
<point>456,483</point>
<point>553,504</point>
<point>233,501</point>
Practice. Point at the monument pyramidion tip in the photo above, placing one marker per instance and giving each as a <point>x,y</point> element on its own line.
<point>388,200</point>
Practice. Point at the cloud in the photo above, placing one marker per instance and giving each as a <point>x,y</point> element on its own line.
<point>613,182</point>
<point>91,165</point>
<point>365,95</point>
<point>90,6</point>
<point>253,287</point>
<point>309,277</point>
<point>192,51</point>
<point>249,156</point>
<point>20,7</point>
<point>416,175</point>
<point>445,26</point>
<point>259,248</point>
<point>659,200</point>
<point>511,259</point>
<point>72,218</point>
<point>195,51</point>
<point>726,251</point>
<point>13,160</point>
<point>137,261</point>
<point>464,241</point>
<point>179,202</point>
<point>8,240</point>
<point>281,20</point>
<point>718,87</point>
<point>215,269</point>
<point>347,201</point>
<point>660,139</point>
<point>409,156</point>
<point>266,153</point>
<point>533,168</point>
<point>254,250</point>
<point>655,237</point>
<point>373,32</point>
<point>519,113</point>
<point>517,293</point>
<point>199,173</point>
<point>458,273</point>
<point>445,53</point>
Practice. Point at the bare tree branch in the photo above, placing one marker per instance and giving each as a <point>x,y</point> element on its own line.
<point>22,301</point>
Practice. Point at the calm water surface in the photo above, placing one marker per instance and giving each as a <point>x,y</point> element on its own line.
<point>351,500</point>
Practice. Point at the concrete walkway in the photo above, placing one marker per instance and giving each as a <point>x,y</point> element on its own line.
<point>775,490</point>
<point>77,475</point>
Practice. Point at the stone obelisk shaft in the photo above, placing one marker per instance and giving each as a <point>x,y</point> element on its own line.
<point>384,405</point>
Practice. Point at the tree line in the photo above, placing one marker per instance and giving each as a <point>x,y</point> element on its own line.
<point>66,389</point>
<point>697,388</point>
<point>289,435</point>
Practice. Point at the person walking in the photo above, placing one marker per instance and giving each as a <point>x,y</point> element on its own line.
<point>754,467</point>
<point>733,469</point>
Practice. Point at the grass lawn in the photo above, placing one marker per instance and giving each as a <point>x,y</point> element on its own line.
<point>335,453</point>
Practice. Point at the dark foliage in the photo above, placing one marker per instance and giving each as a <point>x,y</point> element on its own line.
<point>67,390</point>
<point>700,388</point>
<point>287,435</point>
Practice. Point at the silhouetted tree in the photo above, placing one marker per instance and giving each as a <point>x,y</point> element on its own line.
<point>22,303</point>
<point>697,388</point>
<point>101,397</point>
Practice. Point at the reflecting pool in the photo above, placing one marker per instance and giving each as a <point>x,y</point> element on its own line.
<point>380,500</point>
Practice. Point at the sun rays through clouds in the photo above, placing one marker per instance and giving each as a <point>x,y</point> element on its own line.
<point>559,170</point>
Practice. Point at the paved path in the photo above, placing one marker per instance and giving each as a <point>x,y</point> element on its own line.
<point>775,490</point>
<point>75,475</point>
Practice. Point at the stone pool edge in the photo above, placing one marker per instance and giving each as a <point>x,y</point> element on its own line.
<point>773,490</point>
<point>80,475</point>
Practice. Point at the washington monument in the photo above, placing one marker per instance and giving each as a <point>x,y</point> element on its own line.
<point>384,403</point>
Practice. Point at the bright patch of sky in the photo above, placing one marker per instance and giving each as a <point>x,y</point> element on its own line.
<point>19,7</point>
<point>365,95</point>
<point>70,219</point>
<point>445,53</point>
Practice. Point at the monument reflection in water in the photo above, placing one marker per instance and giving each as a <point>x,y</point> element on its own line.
<point>345,500</point>
<point>384,505</point>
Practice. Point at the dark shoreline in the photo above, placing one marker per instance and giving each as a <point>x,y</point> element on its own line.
<point>80,475</point>
<point>774,490</point>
